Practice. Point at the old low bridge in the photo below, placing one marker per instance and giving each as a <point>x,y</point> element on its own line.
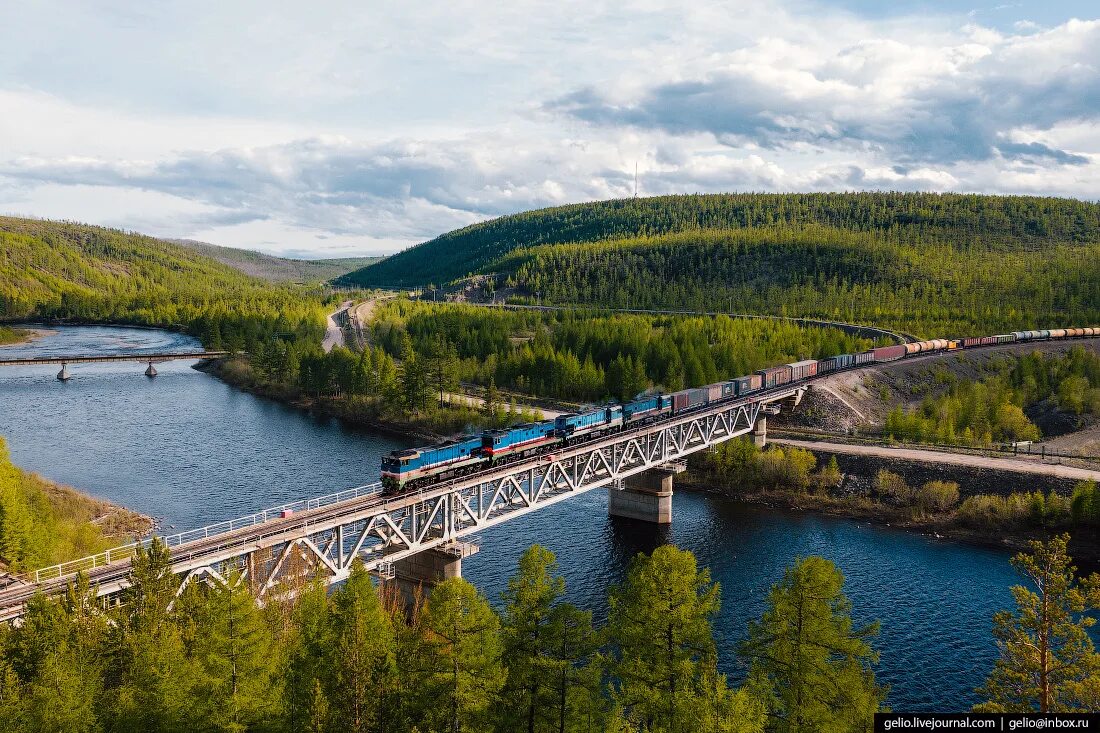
<point>154,358</point>
<point>420,537</point>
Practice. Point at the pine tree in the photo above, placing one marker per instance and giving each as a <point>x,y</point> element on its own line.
<point>492,403</point>
<point>233,644</point>
<point>660,629</point>
<point>527,636</point>
<point>360,654</point>
<point>465,658</point>
<point>807,660</point>
<point>1047,663</point>
<point>157,682</point>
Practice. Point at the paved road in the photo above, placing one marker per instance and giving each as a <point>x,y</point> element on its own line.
<point>470,400</point>
<point>334,333</point>
<point>1017,465</point>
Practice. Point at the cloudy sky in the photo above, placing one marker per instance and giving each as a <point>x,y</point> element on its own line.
<point>334,128</point>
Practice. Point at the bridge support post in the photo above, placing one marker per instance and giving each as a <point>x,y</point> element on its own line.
<point>151,371</point>
<point>416,575</point>
<point>64,375</point>
<point>760,432</point>
<point>645,496</point>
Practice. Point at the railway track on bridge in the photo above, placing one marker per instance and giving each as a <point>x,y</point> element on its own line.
<point>331,532</point>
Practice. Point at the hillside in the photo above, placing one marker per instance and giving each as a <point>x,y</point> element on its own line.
<point>927,263</point>
<point>61,270</point>
<point>279,269</point>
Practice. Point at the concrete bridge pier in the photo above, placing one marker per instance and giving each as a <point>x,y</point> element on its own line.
<point>151,371</point>
<point>760,431</point>
<point>414,577</point>
<point>64,375</point>
<point>645,496</point>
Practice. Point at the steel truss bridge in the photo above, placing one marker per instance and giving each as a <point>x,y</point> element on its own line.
<point>273,549</point>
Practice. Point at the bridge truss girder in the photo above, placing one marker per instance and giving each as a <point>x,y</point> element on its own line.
<point>440,516</point>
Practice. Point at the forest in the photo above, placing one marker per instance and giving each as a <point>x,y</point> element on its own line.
<point>42,523</point>
<point>79,273</point>
<point>358,659</point>
<point>994,409</point>
<point>931,264</point>
<point>589,356</point>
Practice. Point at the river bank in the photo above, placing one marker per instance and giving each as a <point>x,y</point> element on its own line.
<point>60,523</point>
<point>10,336</point>
<point>237,375</point>
<point>852,500</point>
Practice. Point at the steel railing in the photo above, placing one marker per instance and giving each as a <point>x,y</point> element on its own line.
<point>123,552</point>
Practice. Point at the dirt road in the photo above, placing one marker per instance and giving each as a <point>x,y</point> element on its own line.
<point>1017,465</point>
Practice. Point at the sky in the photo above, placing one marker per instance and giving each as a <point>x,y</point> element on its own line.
<point>337,128</point>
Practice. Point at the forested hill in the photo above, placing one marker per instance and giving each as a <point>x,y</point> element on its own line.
<point>279,269</point>
<point>62,270</point>
<point>1010,222</point>
<point>926,263</point>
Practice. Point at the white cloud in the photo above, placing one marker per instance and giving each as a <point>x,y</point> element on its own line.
<point>340,127</point>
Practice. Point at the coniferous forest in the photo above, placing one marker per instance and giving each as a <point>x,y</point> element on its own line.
<point>360,659</point>
<point>930,264</point>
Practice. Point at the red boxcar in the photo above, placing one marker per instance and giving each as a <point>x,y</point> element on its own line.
<point>889,353</point>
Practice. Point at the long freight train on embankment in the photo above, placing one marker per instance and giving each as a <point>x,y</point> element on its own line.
<point>416,467</point>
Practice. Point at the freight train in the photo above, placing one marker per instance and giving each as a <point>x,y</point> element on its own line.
<point>417,467</point>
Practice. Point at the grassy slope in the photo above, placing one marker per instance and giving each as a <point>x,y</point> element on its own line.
<point>42,522</point>
<point>922,262</point>
<point>279,269</point>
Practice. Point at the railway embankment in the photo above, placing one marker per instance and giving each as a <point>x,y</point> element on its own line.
<point>860,400</point>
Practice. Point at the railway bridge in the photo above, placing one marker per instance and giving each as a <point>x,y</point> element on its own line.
<point>420,537</point>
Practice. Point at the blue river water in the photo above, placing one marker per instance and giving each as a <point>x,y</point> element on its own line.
<point>189,450</point>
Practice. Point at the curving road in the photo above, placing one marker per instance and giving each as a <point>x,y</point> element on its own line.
<point>1016,465</point>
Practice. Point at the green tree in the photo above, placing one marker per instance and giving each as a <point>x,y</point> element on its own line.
<point>1047,661</point>
<point>464,652</point>
<point>415,385</point>
<point>360,654</point>
<point>664,653</point>
<point>547,647</point>
<point>807,660</point>
<point>233,644</point>
<point>157,682</point>
<point>443,367</point>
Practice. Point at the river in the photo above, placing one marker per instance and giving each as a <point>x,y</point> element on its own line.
<point>189,450</point>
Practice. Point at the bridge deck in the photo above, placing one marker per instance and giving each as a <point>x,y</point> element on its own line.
<point>90,358</point>
<point>462,498</point>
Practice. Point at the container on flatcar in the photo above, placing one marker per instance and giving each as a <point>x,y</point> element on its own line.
<point>687,399</point>
<point>746,385</point>
<point>775,376</point>
<point>803,369</point>
<point>889,353</point>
